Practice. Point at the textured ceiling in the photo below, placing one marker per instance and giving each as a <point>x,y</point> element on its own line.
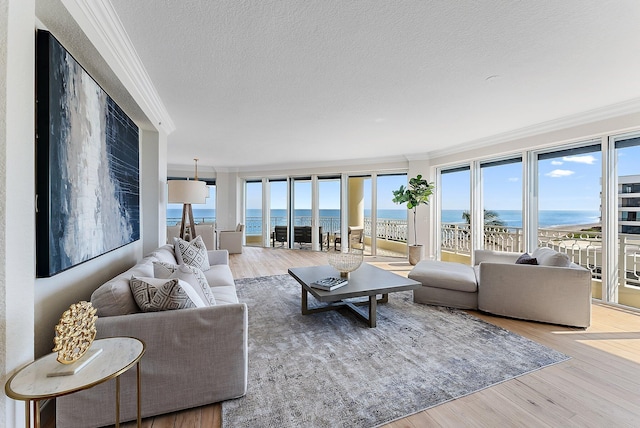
<point>290,82</point>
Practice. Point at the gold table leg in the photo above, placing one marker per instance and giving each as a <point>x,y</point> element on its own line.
<point>27,413</point>
<point>36,414</point>
<point>138,382</point>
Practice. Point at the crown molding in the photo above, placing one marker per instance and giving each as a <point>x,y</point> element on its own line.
<point>100,22</point>
<point>602,113</point>
<point>353,165</point>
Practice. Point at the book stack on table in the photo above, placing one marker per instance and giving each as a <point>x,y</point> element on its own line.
<point>329,283</point>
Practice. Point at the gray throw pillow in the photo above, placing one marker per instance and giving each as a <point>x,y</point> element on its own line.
<point>526,259</point>
<point>153,294</point>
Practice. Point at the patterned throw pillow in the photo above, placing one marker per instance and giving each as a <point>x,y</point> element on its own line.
<point>190,274</point>
<point>192,253</point>
<point>152,294</point>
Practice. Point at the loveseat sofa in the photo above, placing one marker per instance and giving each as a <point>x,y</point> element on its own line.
<point>193,356</point>
<point>554,290</point>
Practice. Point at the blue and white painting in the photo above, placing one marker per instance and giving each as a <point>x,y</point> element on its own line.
<point>93,147</point>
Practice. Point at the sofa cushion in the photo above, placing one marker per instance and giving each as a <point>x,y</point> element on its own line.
<point>155,294</point>
<point>447,275</point>
<point>219,275</point>
<point>225,294</point>
<point>190,274</point>
<point>114,296</point>
<point>549,257</point>
<point>526,259</point>
<point>192,253</point>
<point>165,254</point>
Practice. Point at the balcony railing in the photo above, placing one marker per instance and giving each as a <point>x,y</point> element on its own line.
<point>176,220</point>
<point>389,229</point>
<point>583,247</point>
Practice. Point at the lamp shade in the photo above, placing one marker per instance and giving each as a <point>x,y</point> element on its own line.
<point>187,192</point>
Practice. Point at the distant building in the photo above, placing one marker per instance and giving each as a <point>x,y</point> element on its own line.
<point>629,204</point>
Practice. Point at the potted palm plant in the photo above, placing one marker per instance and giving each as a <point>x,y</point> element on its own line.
<point>416,193</point>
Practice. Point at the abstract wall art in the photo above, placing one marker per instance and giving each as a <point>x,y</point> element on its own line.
<point>87,165</point>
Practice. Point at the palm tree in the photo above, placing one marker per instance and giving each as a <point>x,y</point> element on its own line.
<point>491,218</point>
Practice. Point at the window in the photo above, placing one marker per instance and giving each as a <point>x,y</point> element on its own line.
<point>253,212</point>
<point>502,205</point>
<point>455,214</point>
<point>627,241</point>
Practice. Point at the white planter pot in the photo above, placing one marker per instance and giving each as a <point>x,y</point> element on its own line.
<point>416,253</point>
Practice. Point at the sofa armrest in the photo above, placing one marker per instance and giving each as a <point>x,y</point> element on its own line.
<point>558,295</point>
<point>218,257</point>
<point>230,240</point>
<point>481,256</point>
<point>193,357</point>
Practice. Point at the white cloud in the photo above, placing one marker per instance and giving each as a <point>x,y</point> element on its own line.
<point>555,162</point>
<point>588,159</point>
<point>513,179</point>
<point>557,173</point>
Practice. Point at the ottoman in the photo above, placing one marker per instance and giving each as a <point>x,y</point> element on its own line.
<point>445,284</point>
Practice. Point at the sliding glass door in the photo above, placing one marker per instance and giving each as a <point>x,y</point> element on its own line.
<point>625,289</point>
<point>569,199</point>
<point>502,205</point>
<point>329,209</point>
<point>278,210</point>
<point>455,214</point>
<point>253,213</point>
<point>391,227</point>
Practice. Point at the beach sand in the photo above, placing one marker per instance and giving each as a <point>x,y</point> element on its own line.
<point>575,227</point>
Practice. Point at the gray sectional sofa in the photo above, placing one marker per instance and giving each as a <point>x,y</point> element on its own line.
<point>193,356</point>
<point>554,291</point>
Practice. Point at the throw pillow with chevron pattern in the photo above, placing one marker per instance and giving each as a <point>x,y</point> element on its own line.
<point>153,294</point>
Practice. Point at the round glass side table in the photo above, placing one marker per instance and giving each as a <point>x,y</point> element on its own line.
<point>31,382</point>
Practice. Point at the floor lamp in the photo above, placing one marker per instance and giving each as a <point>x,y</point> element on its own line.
<point>188,192</point>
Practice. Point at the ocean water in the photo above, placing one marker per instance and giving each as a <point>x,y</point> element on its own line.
<point>512,218</point>
<point>546,218</point>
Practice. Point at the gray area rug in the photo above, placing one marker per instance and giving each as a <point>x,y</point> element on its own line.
<point>330,370</point>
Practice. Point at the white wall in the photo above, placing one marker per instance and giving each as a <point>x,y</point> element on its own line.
<point>228,200</point>
<point>577,133</point>
<point>17,217</point>
<point>30,308</point>
<point>54,295</point>
<point>153,182</point>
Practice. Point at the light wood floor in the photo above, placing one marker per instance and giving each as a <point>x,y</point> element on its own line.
<point>598,387</point>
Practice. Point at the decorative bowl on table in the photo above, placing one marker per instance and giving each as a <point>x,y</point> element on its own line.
<point>345,261</point>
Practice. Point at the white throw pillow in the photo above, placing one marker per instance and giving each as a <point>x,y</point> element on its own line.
<point>549,257</point>
<point>153,294</point>
<point>192,253</point>
<point>190,274</point>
